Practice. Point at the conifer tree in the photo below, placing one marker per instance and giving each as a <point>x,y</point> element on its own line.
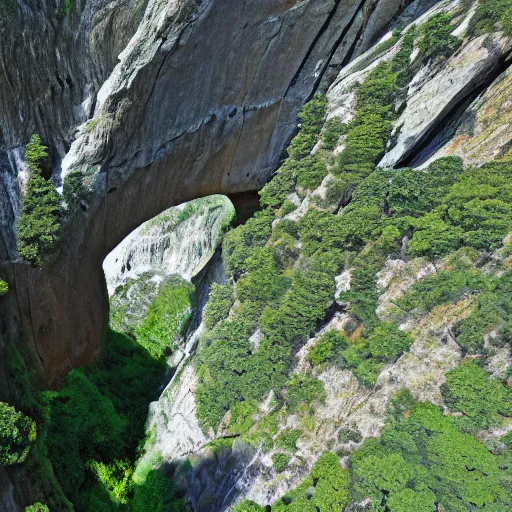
<point>39,221</point>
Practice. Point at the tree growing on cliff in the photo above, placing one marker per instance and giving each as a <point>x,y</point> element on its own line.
<point>17,433</point>
<point>4,287</point>
<point>39,221</point>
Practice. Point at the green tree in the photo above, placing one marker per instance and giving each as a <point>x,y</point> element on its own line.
<point>4,287</point>
<point>39,221</point>
<point>37,507</point>
<point>17,433</point>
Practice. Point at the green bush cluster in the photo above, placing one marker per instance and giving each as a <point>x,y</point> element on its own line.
<point>436,39</point>
<point>332,131</point>
<point>230,370</point>
<point>280,461</point>
<point>287,440</point>
<point>302,391</point>
<point>327,347</point>
<point>166,318</point>
<point>491,312</point>
<point>422,461</point>
<point>37,507</point>
<point>4,287</point>
<point>17,434</point>
<point>220,301</point>
<point>481,400</point>
<point>73,189</point>
<point>40,209</point>
<point>325,489</point>
<point>311,120</point>
<point>492,15</point>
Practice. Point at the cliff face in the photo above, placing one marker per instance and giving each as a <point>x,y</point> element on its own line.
<point>453,106</point>
<point>203,100</point>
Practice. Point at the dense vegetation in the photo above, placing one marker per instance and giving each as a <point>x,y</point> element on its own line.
<point>17,433</point>
<point>40,211</point>
<point>4,287</point>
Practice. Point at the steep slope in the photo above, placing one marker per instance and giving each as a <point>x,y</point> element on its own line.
<point>291,366</point>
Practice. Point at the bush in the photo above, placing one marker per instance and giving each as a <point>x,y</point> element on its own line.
<point>4,287</point>
<point>302,391</point>
<point>332,131</point>
<point>325,489</point>
<point>422,459</point>
<point>490,14</point>
<point>436,39</point>
<point>73,189</point>
<point>482,400</point>
<point>17,434</point>
<point>287,440</point>
<point>280,461</point>
<point>311,119</point>
<point>37,507</point>
<point>220,301</point>
<point>327,347</point>
<point>39,221</point>
<point>247,506</point>
<point>166,318</point>
<point>157,494</point>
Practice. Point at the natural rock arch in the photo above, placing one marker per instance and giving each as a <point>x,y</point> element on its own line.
<point>203,101</point>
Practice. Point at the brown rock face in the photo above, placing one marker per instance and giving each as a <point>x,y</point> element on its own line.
<point>203,101</point>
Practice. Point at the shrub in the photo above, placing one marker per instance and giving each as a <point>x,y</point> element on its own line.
<point>82,425</point>
<point>422,459</point>
<point>73,189</point>
<point>482,400</point>
<point>4,287</point>
<point>490,13</point>
<point>332,131</point>
<point>327,347</point>
<point>17,433</point>
<point>220,301</point>
<point>158,494</point>
<point>39,221</point>
<point>166,318</point>
<point>325,489</point>
<point>311,119</point>
<point>280,461</point>
<point>37,507</point>
<point>302,391</point>
<point>247,506</point>
<point>310,171</point>
<point>442,288</point>
<point>287,440</point>
<point>436,39</point>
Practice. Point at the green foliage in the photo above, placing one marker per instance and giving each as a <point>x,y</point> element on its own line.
<point>332,131</point>
<point>310,172</point>
<point>247,506</point>
<point>443,288</point>
<point>230,370</point>
<point>39,221</point>
<point>287,440</point>
<point>302,391</point>
<point>325,489</point>
<point>482,401</point>
<point>219,304</point>
<point>37,507</point>
<point>423,459</point>
<point>436,39</point>
<point>4,287</point>
<point>17,434</point>
<point>158,494</point>
<point>239,243</point>
<point>74,189</point>
<point>492,15</point>
<point>82,425</point>
<point>327,347</point>
<point>280,461</point>
<point>166,318</point>
<point>311,120</point>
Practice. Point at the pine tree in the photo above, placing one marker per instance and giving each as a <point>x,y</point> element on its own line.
<point>39,221</point>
